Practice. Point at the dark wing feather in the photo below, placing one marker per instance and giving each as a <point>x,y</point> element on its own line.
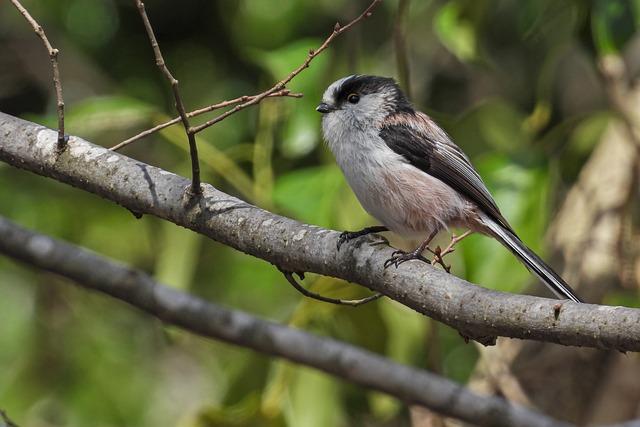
<point>433,152</point>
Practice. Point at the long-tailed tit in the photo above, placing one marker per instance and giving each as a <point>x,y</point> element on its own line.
<point>409,175</point>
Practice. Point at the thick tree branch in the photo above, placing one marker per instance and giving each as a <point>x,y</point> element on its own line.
<point>196,315</point>
<point>474,311</point>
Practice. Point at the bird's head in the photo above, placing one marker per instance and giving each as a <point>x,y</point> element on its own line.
<point>362,101</point>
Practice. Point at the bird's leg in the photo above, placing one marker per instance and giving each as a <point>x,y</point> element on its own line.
<point>345,236</point>
<point>398,257</point>
<point>439,254</point>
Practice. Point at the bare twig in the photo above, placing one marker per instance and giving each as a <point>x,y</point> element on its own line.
<point>473,310</point>
<point>304,291</point>
<point>337,358</point>
<point>193,149</point>
<point>400,41</point>
<point>439,254</point>
<point>284,92</point>
<point>53,57</point>
<point>337,30</point>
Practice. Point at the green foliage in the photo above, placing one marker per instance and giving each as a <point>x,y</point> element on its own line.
<point>498,75</point>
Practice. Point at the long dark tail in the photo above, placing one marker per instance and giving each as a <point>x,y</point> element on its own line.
<point>531,260</point>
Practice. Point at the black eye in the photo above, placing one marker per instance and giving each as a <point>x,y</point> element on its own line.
<point>353,98</point>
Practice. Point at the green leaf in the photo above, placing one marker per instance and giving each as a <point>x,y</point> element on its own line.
<point>309,194</point>
<point>455,32</point>
<point>314,400</point>
<point>178,258</point>
<point>613,23</point>
<point>302,124</point>
<point>107,113</point>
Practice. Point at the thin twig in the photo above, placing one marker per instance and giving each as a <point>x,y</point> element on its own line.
<point>284,92</point>
<point>53,57</point>
<point>307,293</point>
<point>439,254</point>
<point>337,30</point>
<point>193,149</point>
<point>400,41</point>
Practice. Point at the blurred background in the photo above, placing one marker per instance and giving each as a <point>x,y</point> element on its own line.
<point>519,86</point>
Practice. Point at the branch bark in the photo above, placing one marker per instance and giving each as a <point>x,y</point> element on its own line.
<point>476,312</point>
<point>339,359</point>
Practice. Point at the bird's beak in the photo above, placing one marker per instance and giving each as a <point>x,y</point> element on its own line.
<point>325,108</point>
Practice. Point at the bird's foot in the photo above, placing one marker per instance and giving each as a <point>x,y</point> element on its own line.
<point>398,257</point>
<point>346,236</point>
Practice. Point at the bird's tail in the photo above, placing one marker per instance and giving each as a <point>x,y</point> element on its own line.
<point>531,260</point>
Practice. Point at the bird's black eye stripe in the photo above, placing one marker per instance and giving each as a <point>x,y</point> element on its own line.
<point>353,98</point>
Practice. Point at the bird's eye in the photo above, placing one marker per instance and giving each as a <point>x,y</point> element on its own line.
<point>353,98</point>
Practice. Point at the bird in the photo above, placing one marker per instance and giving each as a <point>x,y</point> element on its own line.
<point>408,174</point>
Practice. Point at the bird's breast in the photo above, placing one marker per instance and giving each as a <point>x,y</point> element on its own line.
<point>407,200</point>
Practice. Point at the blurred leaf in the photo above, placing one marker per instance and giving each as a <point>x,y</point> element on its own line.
<point>613,23</point>
<point>16,312</point>
<point>494,123</point>
<point>405,344</point>
<point>309,194</point>
<point>456,32</point>
<point>92,23</point>
<point>587,133</point>
<point>300,135</point>
<point>245,413</point>
<point>459,357</point>
<point>178,258</point>
<point>96,115</point>
<point>314,400</point>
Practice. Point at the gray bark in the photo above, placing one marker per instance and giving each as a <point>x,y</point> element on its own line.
<point>339,359</point>
<point>474,311</point>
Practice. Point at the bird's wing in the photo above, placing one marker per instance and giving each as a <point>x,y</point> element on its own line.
<point>424,145</point>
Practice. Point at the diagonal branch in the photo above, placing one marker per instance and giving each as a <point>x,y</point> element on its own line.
<point>191,135</point>
<point>198,316</point>
<point>53,57</point>
<point>474,311</point>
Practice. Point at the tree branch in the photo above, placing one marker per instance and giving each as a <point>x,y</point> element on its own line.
<point>476,312</point>
<point>196,315</point>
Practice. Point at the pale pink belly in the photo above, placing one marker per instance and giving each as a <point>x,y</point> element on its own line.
<point>412,203</point>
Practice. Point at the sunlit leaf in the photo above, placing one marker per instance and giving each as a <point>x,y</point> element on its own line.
<point>455,32</point>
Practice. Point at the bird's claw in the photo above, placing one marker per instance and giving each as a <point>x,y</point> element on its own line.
<point>345,236</point>
<point>398,257</point>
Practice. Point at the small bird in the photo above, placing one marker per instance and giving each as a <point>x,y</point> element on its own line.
<point>408,174</point>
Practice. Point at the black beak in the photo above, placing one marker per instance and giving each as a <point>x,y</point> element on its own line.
<point>324,108</point>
